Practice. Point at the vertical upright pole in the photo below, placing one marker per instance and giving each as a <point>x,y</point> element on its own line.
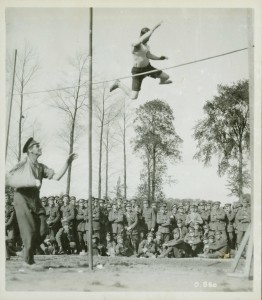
<point>10,106</point>
<point>90,140</point>
<point>250,26</point>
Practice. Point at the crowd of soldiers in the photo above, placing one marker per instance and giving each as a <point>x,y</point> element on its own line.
<point>124,228</point>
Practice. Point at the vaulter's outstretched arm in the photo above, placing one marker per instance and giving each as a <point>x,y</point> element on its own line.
<point>154,57</point>
<point>146,35</point>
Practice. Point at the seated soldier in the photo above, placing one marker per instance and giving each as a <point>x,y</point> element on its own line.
<point>122,248</point>
<point>159,243</point>
<point>110,245</point>
<point>65,239</point>
<point>217,247</point>
<point>97,248</point>
<point>194,242</point>
<point>147,248</point>
<point>175,247</point>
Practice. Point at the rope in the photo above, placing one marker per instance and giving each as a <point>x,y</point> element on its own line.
<point>130,76</point>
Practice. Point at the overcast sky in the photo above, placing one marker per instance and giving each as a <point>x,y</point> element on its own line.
<point>185,35</point>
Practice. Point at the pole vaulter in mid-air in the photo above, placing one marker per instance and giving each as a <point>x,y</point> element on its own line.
<point>142,56</point>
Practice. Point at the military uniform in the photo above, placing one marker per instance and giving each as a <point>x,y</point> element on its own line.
<point>243,218</point>
<point>163,221</point>
<point>116,219</point>
<point>218,220</point>
<point>68,214</point>
<point>230,217</point>
<point>149,216</point>
<point>96,221</point>
<point>53,220</point>
<point>147,249</point>
<point>65,240</point>
<point>132,234</point>
<point>81,218</point>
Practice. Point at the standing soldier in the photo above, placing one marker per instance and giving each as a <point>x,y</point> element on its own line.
<point>163,221</point>
<point>172,216</point>
<point>131,228</point>
<point>149,216</point>
<point>218,219</point>
<point>180,215</point>
<point>96,218</point>
<point>193,216</point>
<point>81,215</point>
<point>30,214</point>
<point>116,219</point>
<point>68,212</point>
<point>205,214</point>
<point>53,217</point>
<point>230,216</point>
<point>243,218</point>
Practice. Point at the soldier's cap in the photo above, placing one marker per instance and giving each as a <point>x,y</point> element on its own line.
<point>202,203</point>
<point>179,221</point>
<point>44,198</point>
<point>65,196</point>
<point>128,205</point>
<point>217,203</point>
<point>192,205</point>
<point>211,236</point>
<point>218,232</point>
<point>206,226</point>
<point>174,205</point>
<point>81,200</point>
<point>227,204</point>
<point>180,205</point>
<point>50,198</point>
<point>150,234</point>
<point>164,205</point>
<point>72,198</point>
<point>108,234</point>
<point>29,143</point>
<point>209,202</point>
<point>245,200</point>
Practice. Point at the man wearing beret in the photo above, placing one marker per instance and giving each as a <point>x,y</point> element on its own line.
<point>30,213</point>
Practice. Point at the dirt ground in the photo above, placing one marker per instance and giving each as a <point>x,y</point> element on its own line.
<point>71,273</point>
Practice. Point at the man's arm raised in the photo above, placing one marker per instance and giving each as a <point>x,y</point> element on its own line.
<point>146,35</point>
<point>57,176</point>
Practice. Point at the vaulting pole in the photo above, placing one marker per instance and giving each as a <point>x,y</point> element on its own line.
<point>90,248</point>
<point>10,106</point>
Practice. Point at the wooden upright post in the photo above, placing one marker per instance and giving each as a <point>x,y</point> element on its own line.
<point>90,248</point>
<point>10,106</point>
<point>248,240</point>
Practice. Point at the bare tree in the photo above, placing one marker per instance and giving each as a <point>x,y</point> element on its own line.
<point>72,103</point>
<point>106,112</point>
<point>26,68</point>
<point>123,125</point>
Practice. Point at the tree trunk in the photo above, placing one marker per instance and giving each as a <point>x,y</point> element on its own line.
<point>240,173</point>
<point>124,144</point>
<point>71,149</point>
<point>154,175</point>
<point>107,150</point>
<point>20,126</point>
<point>101,149</point>
<point>148,180</point>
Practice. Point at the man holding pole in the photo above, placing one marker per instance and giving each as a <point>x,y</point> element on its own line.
<point>30,214</point>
